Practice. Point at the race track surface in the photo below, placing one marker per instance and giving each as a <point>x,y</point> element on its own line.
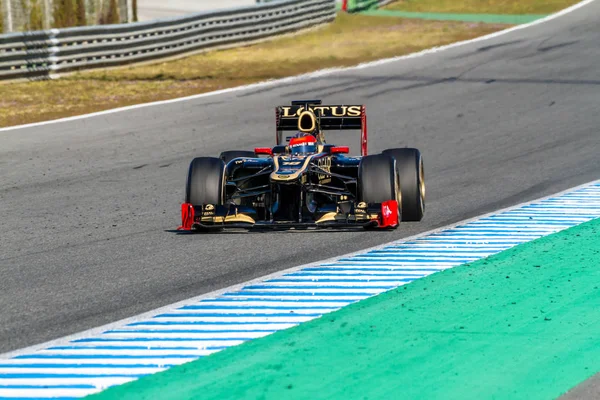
<point>89,206</point>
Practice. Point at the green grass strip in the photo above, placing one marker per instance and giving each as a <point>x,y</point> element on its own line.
<point>486,18</point>
<point>519,325</point>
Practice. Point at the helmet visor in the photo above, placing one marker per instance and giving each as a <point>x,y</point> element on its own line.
<point>303,148</point>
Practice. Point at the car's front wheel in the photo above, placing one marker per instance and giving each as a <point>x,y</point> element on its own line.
<point>409,163</point>
<point>378,180</point>
<point>205,181</point>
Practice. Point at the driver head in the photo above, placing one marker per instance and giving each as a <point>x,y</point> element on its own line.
<point>303,145</point>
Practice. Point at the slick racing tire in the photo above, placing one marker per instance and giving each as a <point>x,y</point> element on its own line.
<point>227,156</point>
<point>412,182</point>
<point>205,181</point>
<point>378,180</point>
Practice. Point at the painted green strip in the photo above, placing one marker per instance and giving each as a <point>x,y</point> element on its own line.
<point>519,325</point>
<point>487,18</point>
<point>362,5</point>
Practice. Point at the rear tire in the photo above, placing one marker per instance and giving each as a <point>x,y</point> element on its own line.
<point>229,155</point>
<point>378,180</point>
<point>205,181</point>
<point>409,164</point>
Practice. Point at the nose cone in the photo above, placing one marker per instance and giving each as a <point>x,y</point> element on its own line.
<point>288,169</point>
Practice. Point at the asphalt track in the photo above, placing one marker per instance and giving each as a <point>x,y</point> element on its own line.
<point>89,206</point>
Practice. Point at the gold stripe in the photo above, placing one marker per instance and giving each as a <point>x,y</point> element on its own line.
<point>230,218</point>
<point>330,216</point>
<point>240,218</point>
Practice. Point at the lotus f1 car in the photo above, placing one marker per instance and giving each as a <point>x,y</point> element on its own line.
<point>304,182</point>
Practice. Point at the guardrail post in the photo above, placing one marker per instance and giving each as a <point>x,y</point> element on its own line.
<point>53,51</point>
<point>129,11</point>
<point>9,20</point>
<point>47,13</point>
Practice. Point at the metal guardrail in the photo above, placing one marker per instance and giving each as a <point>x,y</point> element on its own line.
<point>42,54</point>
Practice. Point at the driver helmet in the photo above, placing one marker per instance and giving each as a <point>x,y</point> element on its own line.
<point>302,145</point>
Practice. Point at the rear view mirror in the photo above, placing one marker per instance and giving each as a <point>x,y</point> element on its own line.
<point>340,150</point>
<point>263,150</point>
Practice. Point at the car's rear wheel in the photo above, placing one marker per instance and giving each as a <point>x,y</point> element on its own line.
<point>229,155</point>
<point>378,180</point>
<point>409,163</point>
<point>205,181</point>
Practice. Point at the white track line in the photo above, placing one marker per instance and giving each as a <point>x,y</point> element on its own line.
<point>310,75</point>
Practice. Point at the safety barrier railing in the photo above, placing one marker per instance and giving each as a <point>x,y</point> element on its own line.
<point>44,54</point>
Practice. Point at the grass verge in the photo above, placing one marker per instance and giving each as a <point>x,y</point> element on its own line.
<point>482,6</point>
<point>350,40</point>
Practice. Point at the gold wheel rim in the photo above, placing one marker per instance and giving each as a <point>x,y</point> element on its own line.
<point>398,193</point>
<point>422,184</point>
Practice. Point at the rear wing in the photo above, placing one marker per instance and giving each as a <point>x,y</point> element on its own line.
<point>329,117</point>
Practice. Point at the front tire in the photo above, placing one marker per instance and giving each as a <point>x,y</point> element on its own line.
<point>205,181</point>
<point>378,180</point>
<point>409,163</point>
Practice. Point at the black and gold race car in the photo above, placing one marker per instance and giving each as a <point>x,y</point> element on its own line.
<point>304,182</point>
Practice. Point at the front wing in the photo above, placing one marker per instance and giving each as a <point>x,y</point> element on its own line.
<point>209,217</point>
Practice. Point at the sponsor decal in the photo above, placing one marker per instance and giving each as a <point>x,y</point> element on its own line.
<point>307,121</point>
<point>325,165</point>
<point>322,111</point>
<point>386,211</point>
<point>208,210</point>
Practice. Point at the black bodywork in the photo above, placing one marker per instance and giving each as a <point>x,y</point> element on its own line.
<point>293,189</point>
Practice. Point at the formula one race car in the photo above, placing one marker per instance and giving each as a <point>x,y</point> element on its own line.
<point>303,182</point>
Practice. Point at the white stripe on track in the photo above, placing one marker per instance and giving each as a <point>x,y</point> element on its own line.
<point>217,334</point>
<point>83,370</point>
<point>250,303</point>
<point>337,278</point>
<point>126,352</point>
<point>56,393</point>
<point>99,382</point>
<point>83,362</point>
<point>250,311</point>
<point>162,342</point>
